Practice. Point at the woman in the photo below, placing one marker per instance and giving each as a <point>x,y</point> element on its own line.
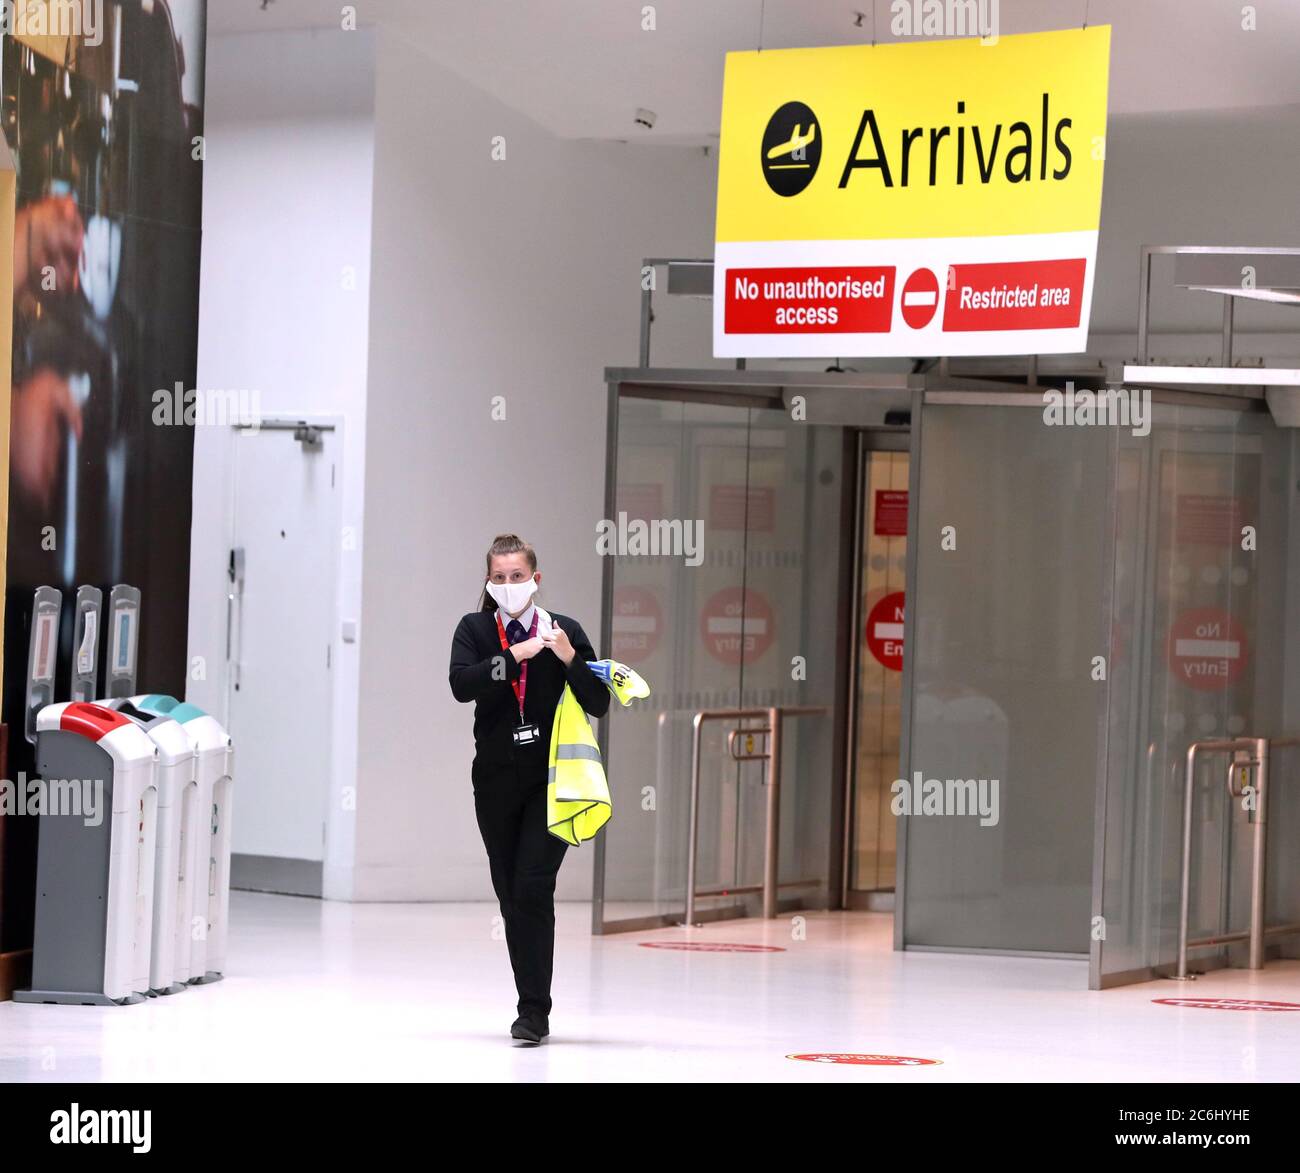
<point>513,660</point>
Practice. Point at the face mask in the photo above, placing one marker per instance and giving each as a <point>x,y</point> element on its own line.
<point>512,597</point>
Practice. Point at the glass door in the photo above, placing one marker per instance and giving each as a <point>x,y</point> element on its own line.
<point>1205,626</point>
<point>744,619</point>
<point>881,574</point>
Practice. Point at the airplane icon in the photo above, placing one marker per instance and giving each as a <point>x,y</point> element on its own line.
<point>796,142</point>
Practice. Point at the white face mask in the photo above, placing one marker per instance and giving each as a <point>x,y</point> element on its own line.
<point>512,597</point>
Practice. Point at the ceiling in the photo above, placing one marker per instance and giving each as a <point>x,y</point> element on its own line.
<point>581,68</point>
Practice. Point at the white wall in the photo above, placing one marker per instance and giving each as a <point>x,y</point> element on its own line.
<point>286,220</point>
<point>517,278</point>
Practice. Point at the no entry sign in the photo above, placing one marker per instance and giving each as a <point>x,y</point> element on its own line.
<point>920,298</point>
<point>638,624</point>
<point>885,631</point>
<point>1207,649</point>
<point>736,623</point>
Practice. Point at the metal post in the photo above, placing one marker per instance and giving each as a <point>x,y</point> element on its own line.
<point>606,636</point>
<point>647,291</point>
<point>770,847</point>
<point>693,833</point>
<point>1258,859</point>
<point>1186,878</point>
<point>1229,305</point>
<point>1144,305</point>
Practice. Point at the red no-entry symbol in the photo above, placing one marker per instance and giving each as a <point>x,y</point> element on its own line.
<point>737,623</point>
<point>920,298</point>
<point>885,631</point>
<point>1207,649</point>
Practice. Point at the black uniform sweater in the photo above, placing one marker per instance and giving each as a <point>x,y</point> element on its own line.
<point>475,652</point>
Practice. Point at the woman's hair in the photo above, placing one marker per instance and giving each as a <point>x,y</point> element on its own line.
<point>506,544</point>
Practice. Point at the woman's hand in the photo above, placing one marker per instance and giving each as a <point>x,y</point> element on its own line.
<point>526,649</point>
<point>558,642</point>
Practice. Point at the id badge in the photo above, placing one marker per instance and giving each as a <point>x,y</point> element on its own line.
<point>527,735</point>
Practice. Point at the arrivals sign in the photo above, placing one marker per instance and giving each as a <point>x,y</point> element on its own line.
<point>933,198</point>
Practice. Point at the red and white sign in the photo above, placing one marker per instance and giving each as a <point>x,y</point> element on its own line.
<point>736,623</point>
<point>1227,1004</point>
<point>1207,649</point>
<point>811,301</point>
<point>995,295</point>
<point>1015,295</point>
<point>891,513</point>
<point>643,502</point>
<point>866,1060</point>
<point>638,624</point>
<point>1208,519</point>
<point>735,507</point>
<point>710,947</point>
<point>920,298</point>
<point>885,631</point>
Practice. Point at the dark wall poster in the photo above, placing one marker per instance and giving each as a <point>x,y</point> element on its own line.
<point>101,117</point>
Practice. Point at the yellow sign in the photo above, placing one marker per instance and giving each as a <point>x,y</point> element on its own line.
<point>913,142</point>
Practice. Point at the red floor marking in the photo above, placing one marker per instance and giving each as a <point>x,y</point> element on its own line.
<point>711,947</point>
<point>867,1060</point>
<point>1227,1003</point>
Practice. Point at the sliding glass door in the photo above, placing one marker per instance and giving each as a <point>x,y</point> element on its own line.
<point>744,619</point>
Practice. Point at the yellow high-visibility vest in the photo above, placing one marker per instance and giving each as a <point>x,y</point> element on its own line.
<point>577,794</point>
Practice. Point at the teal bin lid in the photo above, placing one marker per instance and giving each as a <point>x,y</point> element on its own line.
<point>169,706</point>
<point>156,702</point>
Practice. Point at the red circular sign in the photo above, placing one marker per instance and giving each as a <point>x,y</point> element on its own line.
<point>1207,649</point>
<point>920,298</point>
<point>710,947</point>
<point>868,1060</point>
<point>1226,1004</point>
<point>736,622</point>
<point>638,624</point>
<point>885,631</point>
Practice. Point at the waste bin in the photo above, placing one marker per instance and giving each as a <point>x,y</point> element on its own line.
<point>178,838</point>
<point>214,766</point>
<point>95,857</point>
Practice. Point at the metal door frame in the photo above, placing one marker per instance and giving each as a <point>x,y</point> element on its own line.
<point>865,442</point>
<point>1140,696</point>
<point>739,387</point>
<point>868,392</point>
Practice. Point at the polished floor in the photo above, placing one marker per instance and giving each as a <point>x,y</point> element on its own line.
<point>422,991</point>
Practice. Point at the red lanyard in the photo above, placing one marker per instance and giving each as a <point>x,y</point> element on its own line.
<point>520,686</point>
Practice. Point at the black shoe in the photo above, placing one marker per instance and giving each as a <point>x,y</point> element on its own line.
<point>531,1028</point>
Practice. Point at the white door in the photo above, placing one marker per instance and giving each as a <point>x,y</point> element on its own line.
<point>283,620</point>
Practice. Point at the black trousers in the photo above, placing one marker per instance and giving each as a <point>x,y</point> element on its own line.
<point>524,858</point>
